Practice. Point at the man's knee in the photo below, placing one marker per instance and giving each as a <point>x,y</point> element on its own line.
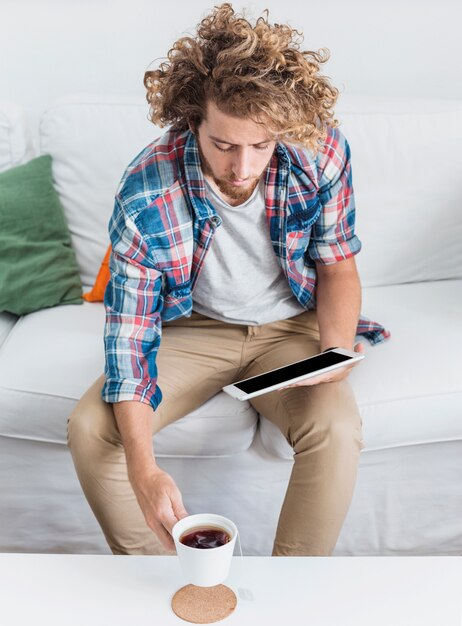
<point>330,417</point>
<point>91,420</point>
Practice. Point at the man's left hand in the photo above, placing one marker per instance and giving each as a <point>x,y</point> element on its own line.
<point>329,377</point>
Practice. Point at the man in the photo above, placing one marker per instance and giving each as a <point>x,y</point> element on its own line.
<point>232,254</point>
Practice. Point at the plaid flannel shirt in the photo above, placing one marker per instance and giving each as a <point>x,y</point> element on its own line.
<point>163,224</point>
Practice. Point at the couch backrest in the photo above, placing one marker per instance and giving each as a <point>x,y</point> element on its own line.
<point>15,137</point>
<point>92,140</point>
<point>16,147</point>
<point>407,176</point>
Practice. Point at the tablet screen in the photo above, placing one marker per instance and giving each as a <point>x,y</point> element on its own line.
<point>307,366</point>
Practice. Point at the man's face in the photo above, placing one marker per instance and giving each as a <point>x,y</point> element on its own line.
<point>234,153</point>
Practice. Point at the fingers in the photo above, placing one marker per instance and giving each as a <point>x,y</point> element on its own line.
<point>165,514</point>
<point>178,507</point>
<point>317,380</point>
<point>169,512</point>
<point>162,525</point>
<point>163,535</point>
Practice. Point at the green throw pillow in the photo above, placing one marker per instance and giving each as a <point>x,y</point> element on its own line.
<point>38,268</point>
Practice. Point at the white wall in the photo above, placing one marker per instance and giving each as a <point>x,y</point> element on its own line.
<point>50,48</point>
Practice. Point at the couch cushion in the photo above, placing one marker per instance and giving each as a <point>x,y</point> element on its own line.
<point>92,139</point>
<point>419,403</point>
<point>409,389</point>
<point>52,356</point>
<point>15,139</point>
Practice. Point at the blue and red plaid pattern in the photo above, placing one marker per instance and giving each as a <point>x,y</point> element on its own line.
<point>163,224</point>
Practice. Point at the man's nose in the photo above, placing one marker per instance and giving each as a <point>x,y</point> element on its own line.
<point>241,165</point>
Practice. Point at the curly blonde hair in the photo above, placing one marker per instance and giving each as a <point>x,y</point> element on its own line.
<point>253,72</point>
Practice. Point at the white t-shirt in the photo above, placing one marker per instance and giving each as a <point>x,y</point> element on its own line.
<point>241,281</point>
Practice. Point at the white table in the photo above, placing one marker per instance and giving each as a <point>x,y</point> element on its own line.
<point>75,590</point>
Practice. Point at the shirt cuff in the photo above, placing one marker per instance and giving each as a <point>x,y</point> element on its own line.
<point>119,390</point>
<point>335,251</point>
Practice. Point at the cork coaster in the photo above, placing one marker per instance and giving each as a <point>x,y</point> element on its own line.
<point>204,605</point>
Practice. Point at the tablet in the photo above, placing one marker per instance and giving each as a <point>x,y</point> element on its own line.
<point>292,373</point>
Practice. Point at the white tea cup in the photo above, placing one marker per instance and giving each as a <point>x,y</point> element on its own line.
<point>209,566</point>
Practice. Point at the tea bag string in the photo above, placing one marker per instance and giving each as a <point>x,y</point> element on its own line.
<point>239,542</point>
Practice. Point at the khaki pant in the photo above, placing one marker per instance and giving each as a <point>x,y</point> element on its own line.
<point>196,358</point>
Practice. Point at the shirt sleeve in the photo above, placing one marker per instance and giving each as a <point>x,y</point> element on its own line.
<point>332,237</point>
<point>133,304</point>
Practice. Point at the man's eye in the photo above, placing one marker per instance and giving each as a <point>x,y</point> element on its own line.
<point>222,150</point>
<point>229,149</point>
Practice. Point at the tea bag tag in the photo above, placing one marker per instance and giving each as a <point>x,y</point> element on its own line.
<point>245,594</point>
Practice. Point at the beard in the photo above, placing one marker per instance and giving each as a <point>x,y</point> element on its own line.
<point>237,194</point>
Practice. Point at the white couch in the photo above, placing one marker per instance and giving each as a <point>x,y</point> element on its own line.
<point>407,174</point>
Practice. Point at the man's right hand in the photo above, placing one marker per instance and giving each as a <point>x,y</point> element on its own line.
<point>161,503</point>
<point>157,494</point>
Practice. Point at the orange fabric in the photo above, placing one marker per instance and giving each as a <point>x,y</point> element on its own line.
<point>97,293</point>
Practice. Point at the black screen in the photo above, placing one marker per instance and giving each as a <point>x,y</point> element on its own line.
<point>256,383</point>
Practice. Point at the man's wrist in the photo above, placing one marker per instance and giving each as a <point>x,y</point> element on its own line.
<point>139,473</point>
